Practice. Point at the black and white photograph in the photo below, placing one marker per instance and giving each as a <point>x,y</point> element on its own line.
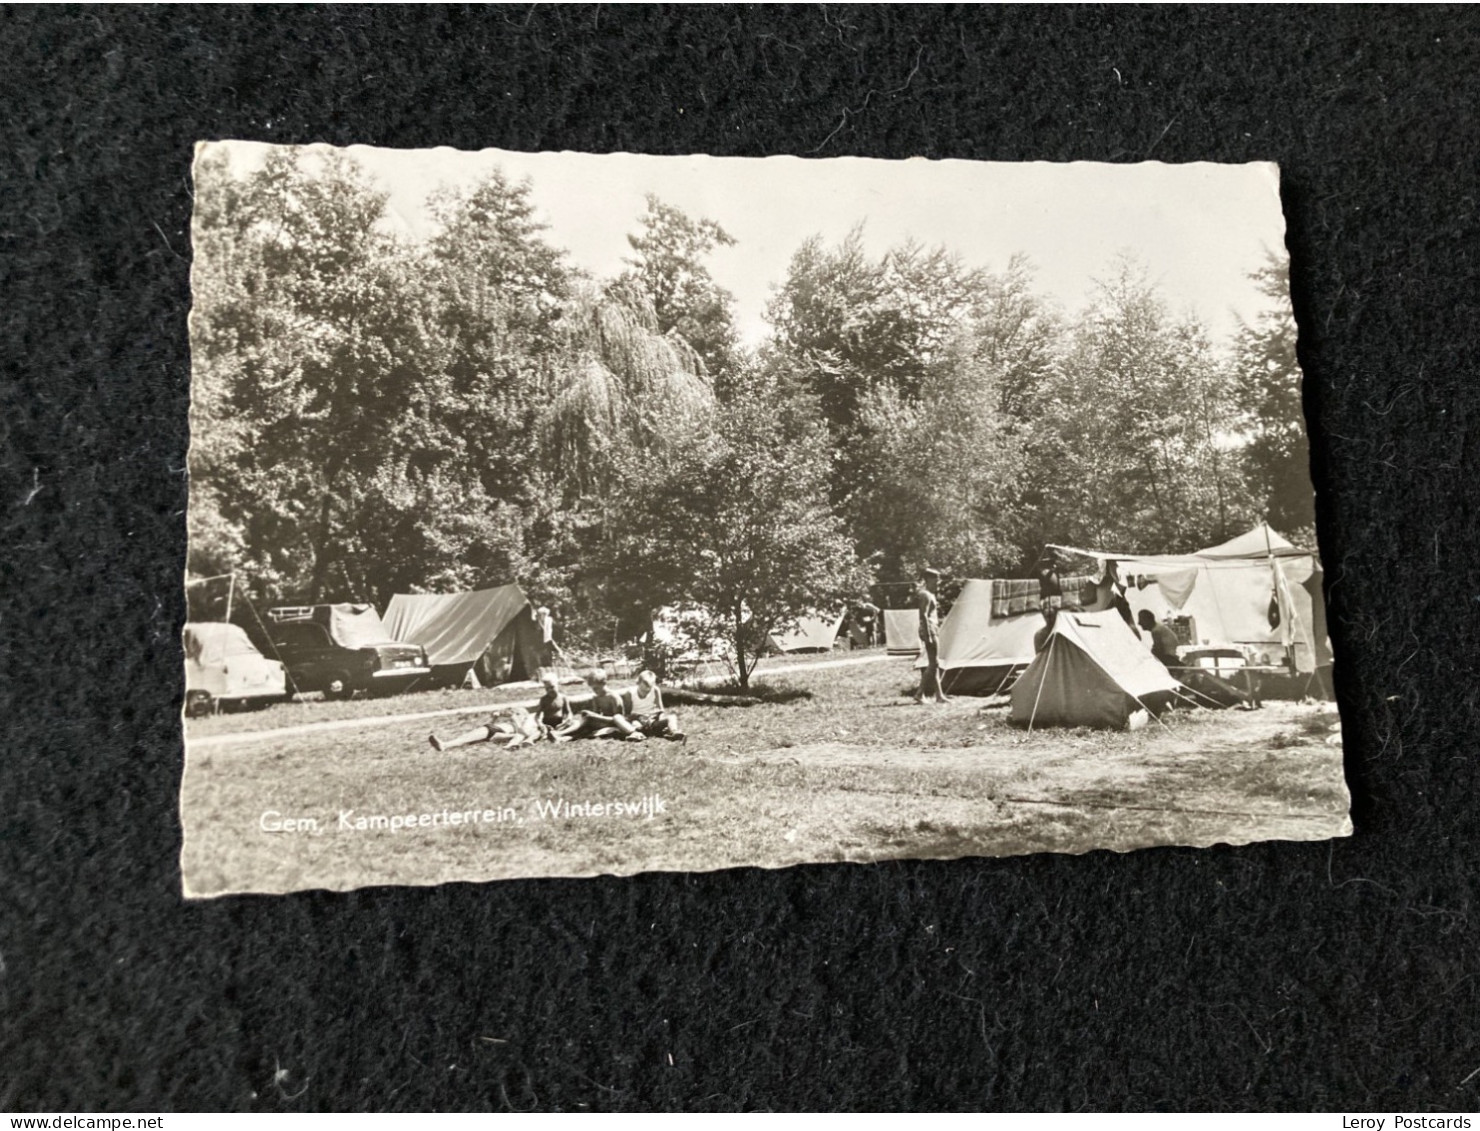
<point>563,514</point>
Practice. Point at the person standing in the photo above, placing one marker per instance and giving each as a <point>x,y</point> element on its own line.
<point>929,609</point>
<point>545,622</point>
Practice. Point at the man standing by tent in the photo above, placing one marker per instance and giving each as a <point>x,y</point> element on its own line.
<point>929,607</point>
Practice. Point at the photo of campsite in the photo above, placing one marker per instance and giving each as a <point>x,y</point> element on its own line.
<point>572,515</point>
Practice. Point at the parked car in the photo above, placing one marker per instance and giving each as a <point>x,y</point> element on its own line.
<point>341,649</point>
<point>223,668</point>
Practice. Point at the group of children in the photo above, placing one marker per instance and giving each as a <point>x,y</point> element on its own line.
<point>635,715</point>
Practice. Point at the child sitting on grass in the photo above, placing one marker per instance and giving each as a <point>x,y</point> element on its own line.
<point>603,718</point>
<point>553,709</point>
<point>643,707</point>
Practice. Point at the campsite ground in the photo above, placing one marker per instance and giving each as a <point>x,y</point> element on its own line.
<point>842,767</point>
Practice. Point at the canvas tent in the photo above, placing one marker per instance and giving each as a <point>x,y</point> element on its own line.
<point>492,631</point>
<point>1092,672</point>
<point>812,634</point>
<point>1230,591</point>
<point>902,631</point>
<point>978,652</point>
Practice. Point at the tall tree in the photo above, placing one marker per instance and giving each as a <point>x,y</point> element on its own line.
<point>943,470</point>
<point>1127,434</point>
<point>309,338</point>
<point>848,326</point>
<point>668,266</point>
<point>1269,384</point>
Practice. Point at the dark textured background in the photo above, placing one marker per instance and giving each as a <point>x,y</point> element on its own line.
<point>1276,976</point>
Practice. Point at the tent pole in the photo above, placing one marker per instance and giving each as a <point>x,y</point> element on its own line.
<point>1052,638</point>
<point>1010,669</point>
<point>230,592</point>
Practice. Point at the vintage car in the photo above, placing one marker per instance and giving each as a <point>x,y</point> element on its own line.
<point>342,649</point>
<point>224,669</point>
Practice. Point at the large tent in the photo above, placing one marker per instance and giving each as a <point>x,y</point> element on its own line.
<point>979,652</point>
<point>1091,672</point>
<point>812,634</point>
<point>902,632</point>
<point>1256,590</point>
<point>492,631</point>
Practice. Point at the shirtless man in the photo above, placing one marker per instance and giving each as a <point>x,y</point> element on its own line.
<point>929,607</point>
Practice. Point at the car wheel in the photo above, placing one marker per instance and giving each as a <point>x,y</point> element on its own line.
<point>338,686</point>
<point>197,704</point>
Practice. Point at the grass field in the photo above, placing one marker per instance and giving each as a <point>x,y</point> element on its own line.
<point>845,768</point>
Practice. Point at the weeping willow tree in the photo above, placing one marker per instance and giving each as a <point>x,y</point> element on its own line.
<point>621,392</point>
<point>619,397</point>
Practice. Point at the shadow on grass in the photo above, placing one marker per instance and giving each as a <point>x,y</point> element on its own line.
<point>779,691</point>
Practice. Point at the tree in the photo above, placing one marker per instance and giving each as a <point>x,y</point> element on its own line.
<point>1269,379</point>
<point>620,386</point>
<point>736,522</point>
<point>1018,335</point>
<point>668,267</point>
<point>1129,430</point>
<point>944,470</point>
<point>307,338</point>
<point>848,326</point>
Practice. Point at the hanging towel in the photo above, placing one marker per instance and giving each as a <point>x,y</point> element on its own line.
<point>1177,585</point>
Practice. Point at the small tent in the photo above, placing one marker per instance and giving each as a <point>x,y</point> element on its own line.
<point>978,651</point>
<point>812,634</point>
<point>492,631</point>
<point>1092,672</point>
<point>902,631</point>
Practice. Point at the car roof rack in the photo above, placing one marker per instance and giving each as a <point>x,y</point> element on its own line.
<point>290,612</point>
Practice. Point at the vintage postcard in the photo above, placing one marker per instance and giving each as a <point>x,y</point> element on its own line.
<point>555,514</point>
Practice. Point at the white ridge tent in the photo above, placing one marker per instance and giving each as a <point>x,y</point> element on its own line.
<point>813,634</point>
<point>978,654</point>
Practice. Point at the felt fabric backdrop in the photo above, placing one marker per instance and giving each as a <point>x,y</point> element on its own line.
<point>1272,976</point>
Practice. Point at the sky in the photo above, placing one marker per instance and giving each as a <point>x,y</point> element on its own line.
<point>1200,228</point>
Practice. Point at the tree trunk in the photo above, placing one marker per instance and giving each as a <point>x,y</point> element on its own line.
<point>740,652</point>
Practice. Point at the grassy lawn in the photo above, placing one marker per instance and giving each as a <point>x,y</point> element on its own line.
<point>845,768</point>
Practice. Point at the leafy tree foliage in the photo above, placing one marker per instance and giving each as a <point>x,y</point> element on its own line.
<point>667,266</point>
<point>848,323</point>
<point>736,522</point>
<point>1269,378</point>
<point>942,470</point>
<point>1126,449</point>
